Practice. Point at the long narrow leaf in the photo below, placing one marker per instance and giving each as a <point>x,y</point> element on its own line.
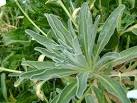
<point>78,60</point>
<point>29,74</point>
<point>90,99</point>
<point>108,28</point>
<point>99,94</point>
<point>53,73</point>
<point>68,93</point>
<point>3,86</point>
<point>55,99</point>
<point>43,40</point>
<point>85,28</point>
<point>39,65</point>
<point>93,36</point>
<point>114,88</point>
<point>81,84</point>
<point>75,42</point>
<point>107,58</point>
<point>59,29</point>
<point>125,56</point>
<point>52,55</point>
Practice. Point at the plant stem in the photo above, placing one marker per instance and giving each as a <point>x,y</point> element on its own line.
<point>16,1</point>
<point>3,86</point>
<point>125,74</point>
<point>9,70</point>
<point>92,4</point>
<point>72,6</point>
<point>117,45</point>
<point>128,42</point>
<point>39,92</point>
<point>101,10</point>
<point>132,66</point>
<point>67,12</point>
<point>119,2</point>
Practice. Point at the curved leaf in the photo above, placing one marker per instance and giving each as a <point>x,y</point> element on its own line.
<point>39,65</point>
<point>75,42</point>
<point>85,28</point>
<point>53,73</point>
<point>59,29</point>
<point>108,28</point>
<point>81,83</point>
<point>3,86</point>
<point>68,93</point>
<point>29,74</point>
<point>114,88</point>
<point>43,40</point>
<point>107,58</point>
<point>125,56</point>
<point>89,99</point>
<point>55,99</point>
<point>52,55</point>
<point>99,92</point>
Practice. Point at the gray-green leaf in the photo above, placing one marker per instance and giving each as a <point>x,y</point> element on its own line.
<point>59,29</point>
<point>107,58</point>
<point>3,86</point>
<point>85,29</point>
<point>39,65</point>
<point>90,99</point>
<point>108,28</point>
<point>81,83</point>
<point>29,74</point>
<point>53,73</point>
<point>125,56</point>
<point>114,88</point>
<point>68,93</point>
<point>43,40</point>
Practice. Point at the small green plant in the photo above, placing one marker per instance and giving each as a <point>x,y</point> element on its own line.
<point>75,56</point>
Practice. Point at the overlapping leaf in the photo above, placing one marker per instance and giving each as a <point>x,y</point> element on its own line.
<point>43,40</point>
<point>29,74</point>
<point>68,40</point>
<point>81,83</point>
<point>85,27</point>
<point>59,29</point>
<point>107,58</point>
<point>52,55</point>
<point>108,28</point>
<point>114,88</point>
<point>75,41</point>
<point>87,30</point>
<point>74,54</point>
<point>125,56</point>
<point>68,93</point>
<point>39,65</point>
<point>53,73</point>
<point>90,99</point>
<point>99,92</point>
